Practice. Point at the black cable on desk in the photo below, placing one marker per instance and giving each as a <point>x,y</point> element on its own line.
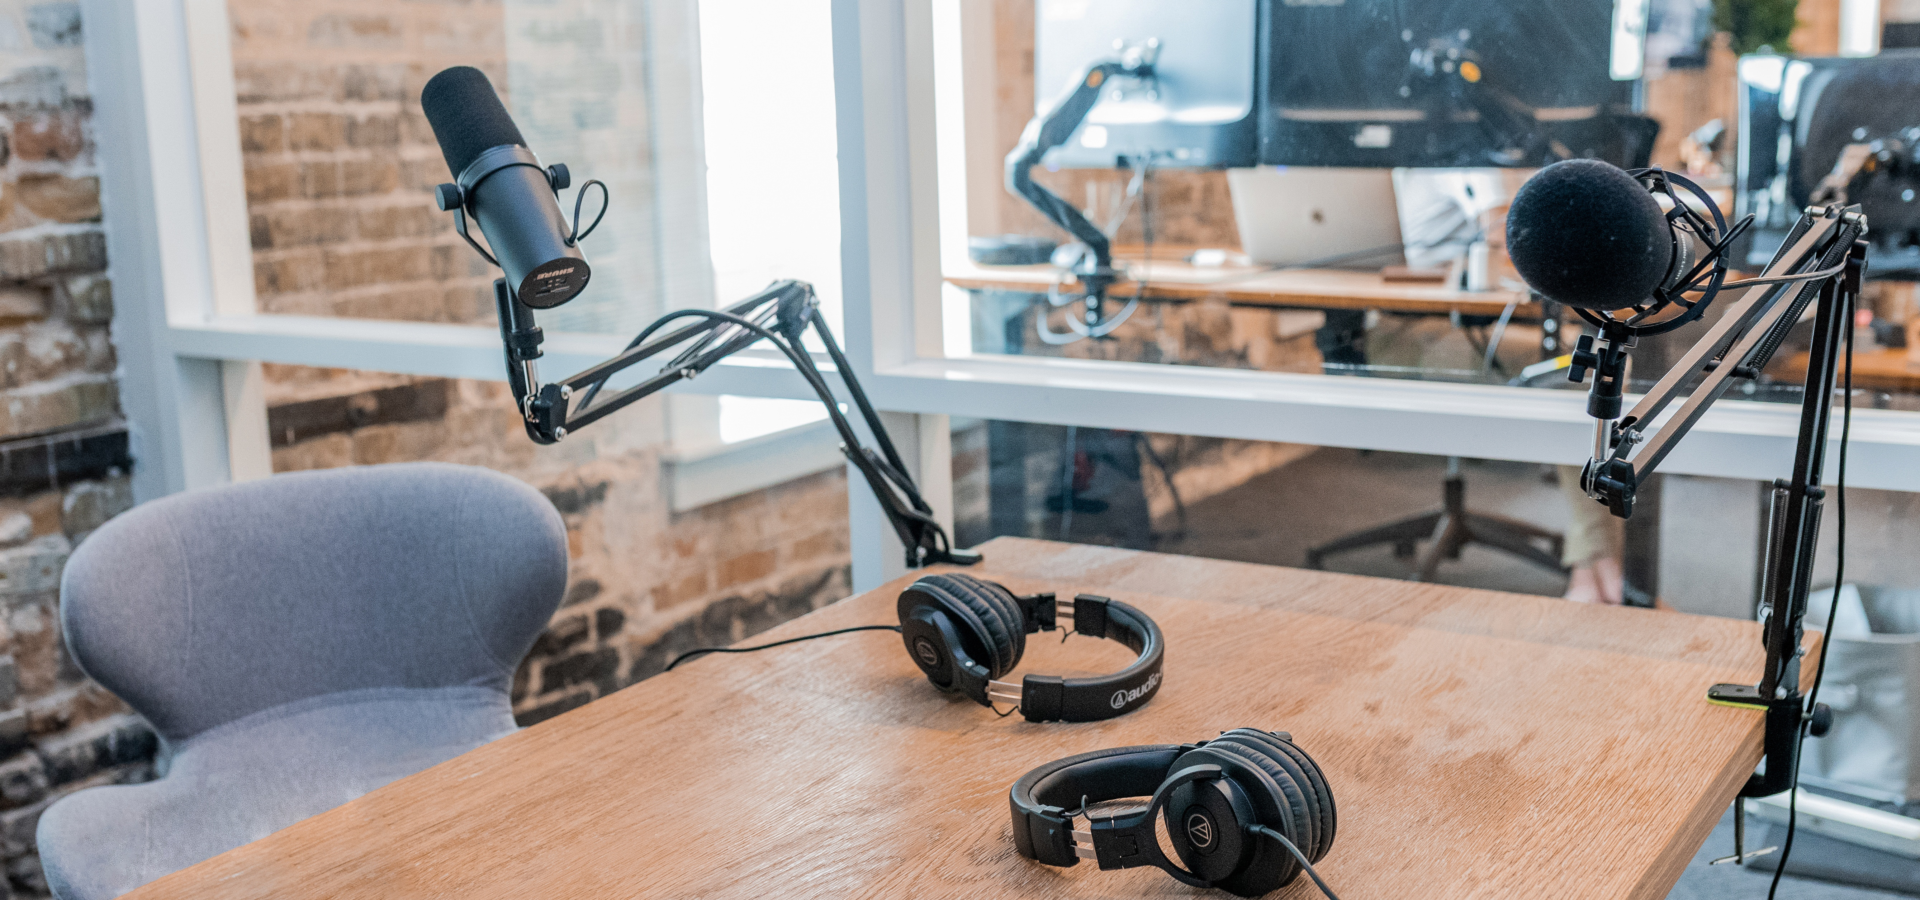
<point>690,654</point>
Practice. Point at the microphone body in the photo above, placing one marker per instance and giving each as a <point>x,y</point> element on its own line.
<point>503,186</point>
<point>1585,234</point>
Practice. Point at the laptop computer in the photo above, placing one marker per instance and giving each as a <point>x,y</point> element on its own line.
<point>1321,217</point>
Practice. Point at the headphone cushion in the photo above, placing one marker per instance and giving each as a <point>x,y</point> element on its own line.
<point>1322,793</point>
<point>1002,627</point>
<point>1304,795</point>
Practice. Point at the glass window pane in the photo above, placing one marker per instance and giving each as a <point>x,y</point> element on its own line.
<point>773,182</point>
<point>719,178</point>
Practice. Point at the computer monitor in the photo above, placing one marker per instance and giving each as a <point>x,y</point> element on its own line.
<point>1796,115</point>
<point>1198,110</point>
<point>1452,83</point>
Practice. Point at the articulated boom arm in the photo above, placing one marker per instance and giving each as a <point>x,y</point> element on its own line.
<point>1054,127</point>
<point>779,315</point>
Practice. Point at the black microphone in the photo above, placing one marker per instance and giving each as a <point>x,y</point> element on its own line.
<point>502,184</point>
<point>1585,234</point>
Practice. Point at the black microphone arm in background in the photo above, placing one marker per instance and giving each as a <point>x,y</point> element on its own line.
<point>1820,264</point>
<point>1054,127</point>
<point>779,315</point>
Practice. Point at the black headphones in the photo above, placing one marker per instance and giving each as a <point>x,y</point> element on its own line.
<point>965,633</point>
<point>1218,798</point>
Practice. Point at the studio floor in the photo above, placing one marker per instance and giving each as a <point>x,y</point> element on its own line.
<point>1276,517</point>
<point>1728,882</point>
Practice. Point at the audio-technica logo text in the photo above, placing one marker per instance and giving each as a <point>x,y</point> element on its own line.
<point>1200,831</point>
<point>1122,698</point>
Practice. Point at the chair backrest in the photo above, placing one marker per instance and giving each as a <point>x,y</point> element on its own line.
<point>201,608</point>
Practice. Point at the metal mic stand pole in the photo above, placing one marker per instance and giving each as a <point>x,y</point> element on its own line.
<point>1793,534</point>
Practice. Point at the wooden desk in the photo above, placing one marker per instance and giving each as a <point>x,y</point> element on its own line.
<point>1881,369</point>
<point>1479,745</point>
<point>1304,288</point>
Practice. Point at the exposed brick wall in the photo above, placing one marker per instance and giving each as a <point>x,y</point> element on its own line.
<point>63,456</point>
<point>1816,30</point>
<point>339,160</point>
<point>711,577</point>
<point>1682,100</point>
<point>59,731</point>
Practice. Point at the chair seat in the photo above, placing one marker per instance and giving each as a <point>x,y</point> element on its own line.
<point>253,776</point>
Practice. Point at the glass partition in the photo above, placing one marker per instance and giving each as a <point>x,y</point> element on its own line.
<point>1695,546</point>
<point>1321,188</point>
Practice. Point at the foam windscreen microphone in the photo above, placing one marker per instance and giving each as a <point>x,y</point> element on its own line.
<point>503,186</point>
<point>1588,235</point>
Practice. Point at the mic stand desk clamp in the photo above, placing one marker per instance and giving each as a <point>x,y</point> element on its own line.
<point>1826,251</point>
<point>779,315</point>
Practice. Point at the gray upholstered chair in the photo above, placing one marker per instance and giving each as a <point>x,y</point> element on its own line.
<point>296,642</point>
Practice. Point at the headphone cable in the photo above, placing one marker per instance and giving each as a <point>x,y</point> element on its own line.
<point>702,651</point>
<point>1302,857</point>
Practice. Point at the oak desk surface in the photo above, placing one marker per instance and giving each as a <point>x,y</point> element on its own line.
<point>1304,288</point>
<point>1479,745</point>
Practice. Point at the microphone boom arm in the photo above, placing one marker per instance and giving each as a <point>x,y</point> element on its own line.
<point>1822,260</point>
<point>1749,333</point>
<point>780,315</point>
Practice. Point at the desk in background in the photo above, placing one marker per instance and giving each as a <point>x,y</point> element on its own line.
<point>1479,745</point>
<point>1260,286</point>
<point>1344,297</point>
<point>1876,369</point>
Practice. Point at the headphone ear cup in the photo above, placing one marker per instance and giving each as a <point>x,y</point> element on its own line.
<point>1284,795</point>
<point>1270,865</point>
<point>985,609</point>
<point>1303,788</point>
<point>1208,823</point>
<point>1318,791</point>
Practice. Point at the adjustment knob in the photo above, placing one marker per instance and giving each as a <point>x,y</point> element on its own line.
<point>449,196</point>
<point>1820,721</point>
<point>558,176</point>
<point>1583,359</point>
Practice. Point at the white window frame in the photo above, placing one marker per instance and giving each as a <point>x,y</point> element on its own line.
<point>190,338</point>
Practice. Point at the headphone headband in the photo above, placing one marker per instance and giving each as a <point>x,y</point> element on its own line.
<point>1219,801</point>
<point>1045,800</point>
<point>1050,698</point>
<point>965,633</point>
